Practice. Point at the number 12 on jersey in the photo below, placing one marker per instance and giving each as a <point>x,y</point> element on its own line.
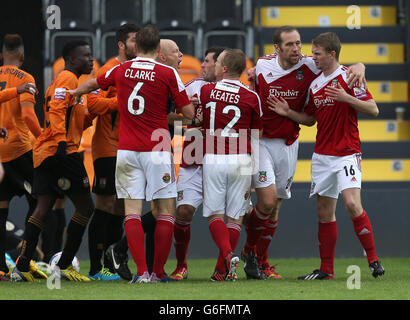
<point>227,130</point>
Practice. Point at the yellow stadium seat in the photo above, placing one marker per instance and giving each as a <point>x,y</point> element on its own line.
<point>389,91</point>
<point>368,53</point>
<point>373,170</point>
<point>329,16</point>
<point>370,131</point>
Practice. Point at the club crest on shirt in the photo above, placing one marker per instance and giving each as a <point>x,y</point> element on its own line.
<point>166,178</point>
<point>334,83</point>
<point>180,195</point>
<point>262,176</point>
<point>247,195</point>
<point>299,75</point>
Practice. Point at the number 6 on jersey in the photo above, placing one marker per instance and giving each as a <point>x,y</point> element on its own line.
<point>134,96</point>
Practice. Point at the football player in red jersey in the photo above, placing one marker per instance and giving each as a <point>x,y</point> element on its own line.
<point>143,88</point>
<point>336,161</point>
<point>230,112</point>
<point>189,184</point>
<point>286,74</point>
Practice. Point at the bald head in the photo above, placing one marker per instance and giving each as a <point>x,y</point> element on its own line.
<point>169,53</point>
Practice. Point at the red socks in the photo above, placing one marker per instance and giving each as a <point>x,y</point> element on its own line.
<point>234,230</point>
<point>220,234</point>
<point>163,242</point>
<point>264,242</point>
<point>135,239</point>
<point>256,224</point>
<point>182,236</point>
<point>328,236</point>
<point>327,244</point>
<point>364,232</point>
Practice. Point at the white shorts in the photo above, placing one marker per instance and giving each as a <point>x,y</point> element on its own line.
<point>226,184</point>
<point>277,165</point>
<point>145,175</point>
<point>331,175</point>
<point>189,186</point>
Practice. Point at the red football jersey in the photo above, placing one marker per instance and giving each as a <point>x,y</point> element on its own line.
<point>143,88</point>
<point>229,110</point>
<point>337,130</point>
<point>291,84</point>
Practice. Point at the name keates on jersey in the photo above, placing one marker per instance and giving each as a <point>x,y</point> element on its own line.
<point>141,70</point>
<point>227,95</point>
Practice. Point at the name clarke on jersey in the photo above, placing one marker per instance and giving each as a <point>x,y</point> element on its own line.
<point>140,74</point>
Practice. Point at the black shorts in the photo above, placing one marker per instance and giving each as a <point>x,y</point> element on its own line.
<point>61,177</point>
<point>104,176</point>
<point>18,178</point>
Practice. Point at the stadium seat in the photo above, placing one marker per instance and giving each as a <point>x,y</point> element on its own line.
<point>59,65</point>
<point>228,25</point>
<point>77,10</point>
<point>188,40</point>
<point>108,43</point>
<point>374,170</point>
<point>70,30</point>
<point>178,21</point>
<point>244,76</point>
<point>228,34</point>
<point>124,10</point>
<point>370,131</point>
<point>184,11</point>
<point>190,68</point>
<point>233,10</point>
<point>326,16</point>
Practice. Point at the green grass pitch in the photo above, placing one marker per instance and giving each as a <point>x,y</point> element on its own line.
<point>394,285</point>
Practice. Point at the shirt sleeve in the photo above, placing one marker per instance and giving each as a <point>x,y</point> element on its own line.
<point>178,91</point>
<point>309,108</point>
<point>8,94</point>
<point>107,79</point>
<point>59,103</point>
<point>256,122</point>
<point>26,96</point>
<point>361,92</point>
